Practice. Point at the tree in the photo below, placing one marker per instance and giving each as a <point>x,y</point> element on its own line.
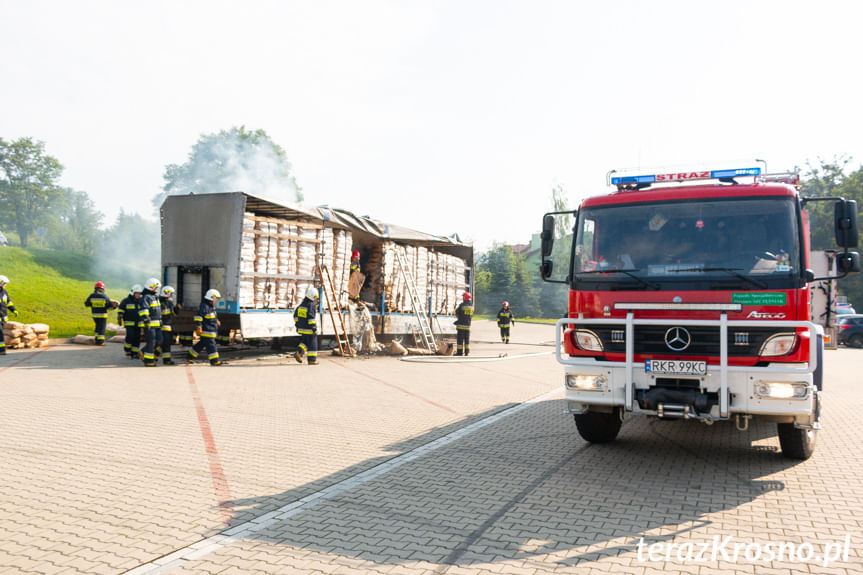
<point>28,186</point>
<point>829,179</point>
<point>75,223</point>
<point>553,297</point>
<point>231,161</point>
<point>503,275</point>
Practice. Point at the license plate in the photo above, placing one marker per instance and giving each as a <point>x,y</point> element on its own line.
<point>675,367</point>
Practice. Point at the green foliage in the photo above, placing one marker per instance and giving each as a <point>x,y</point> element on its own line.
<point>75,223</point>
<point>830,179</point>
<point>50,287</point>
<point>28,186</point>
<point>502,275</point>
<point>230,161</point>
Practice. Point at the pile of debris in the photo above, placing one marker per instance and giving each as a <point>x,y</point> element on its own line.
<point>18,335</point>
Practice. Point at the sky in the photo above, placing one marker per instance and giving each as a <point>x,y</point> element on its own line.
<point>443,116</point>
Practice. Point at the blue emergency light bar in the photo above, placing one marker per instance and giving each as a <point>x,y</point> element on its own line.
<point>685,176</point>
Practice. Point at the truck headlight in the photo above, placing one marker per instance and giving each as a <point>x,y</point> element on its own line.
<point>779,344</point>
<point>586,340</point>
<point>587,382</point>
<point>781,390</point>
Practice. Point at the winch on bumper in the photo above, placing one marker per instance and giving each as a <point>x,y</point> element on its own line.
<point>778,392</point>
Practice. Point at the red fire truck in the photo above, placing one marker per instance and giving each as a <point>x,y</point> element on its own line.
<point>689,298</point>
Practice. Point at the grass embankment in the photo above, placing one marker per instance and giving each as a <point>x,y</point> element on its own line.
<point>50,287</point>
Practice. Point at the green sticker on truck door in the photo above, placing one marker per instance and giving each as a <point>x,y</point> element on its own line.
<point>749,298</point>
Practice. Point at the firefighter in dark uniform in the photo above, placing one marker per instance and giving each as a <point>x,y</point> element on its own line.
<point>99,304</point>
<point>6,306</point>
<point>207,328</point>
<point>463,315</point>
<point>307,326</point>
<point>150,317</point>
<point>127,316</point>
<point>168,309</point>
<point>504,320</point>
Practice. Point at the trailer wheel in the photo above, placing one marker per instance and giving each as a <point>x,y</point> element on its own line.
<point>598,427</point>
<point>796,443</point>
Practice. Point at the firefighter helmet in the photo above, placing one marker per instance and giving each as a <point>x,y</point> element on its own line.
<point>99,285</point>
<point>3,280</point>
<point>212,294</point>
<point>137,288</point>
<point>465,296</point>
<point>167,291</point>
<point>312,293</point>
<point>506,304</point>
<point>153,285</point>
<point>355,255</point>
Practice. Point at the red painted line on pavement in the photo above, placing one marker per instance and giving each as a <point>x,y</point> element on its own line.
<point>23,359</point>
<point>220,482</point>
<point>403,390</point>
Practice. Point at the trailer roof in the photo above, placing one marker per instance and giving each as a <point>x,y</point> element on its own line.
<point>335,217</point>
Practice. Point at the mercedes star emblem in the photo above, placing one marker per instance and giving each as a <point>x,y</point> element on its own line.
<point>677,338</point>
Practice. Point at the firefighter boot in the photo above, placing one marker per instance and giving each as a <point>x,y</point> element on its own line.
<point>298,356</point>
<point>168,361</point>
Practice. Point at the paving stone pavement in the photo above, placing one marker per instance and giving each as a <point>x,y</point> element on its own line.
<point>384,466</point>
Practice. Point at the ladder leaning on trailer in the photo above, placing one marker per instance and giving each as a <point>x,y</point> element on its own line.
<point>345,348</point>
<point>426,334</point>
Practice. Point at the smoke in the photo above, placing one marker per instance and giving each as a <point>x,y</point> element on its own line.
<point>132,250</point>
<point>234,161</point>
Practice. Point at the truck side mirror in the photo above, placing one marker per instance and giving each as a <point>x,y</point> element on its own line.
<point>547,236</point>
<point>845,219</point>
<point>545,268</point>
<point>848,262</point>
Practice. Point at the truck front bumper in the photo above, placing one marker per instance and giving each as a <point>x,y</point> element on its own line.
<point>782,391</point>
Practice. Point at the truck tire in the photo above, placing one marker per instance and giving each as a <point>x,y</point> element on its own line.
<point>796,443</point>
<point>598,427</point>
<point>856,340</point>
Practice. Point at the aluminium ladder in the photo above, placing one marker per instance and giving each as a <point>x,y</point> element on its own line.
<point>427,336</point>
<point>345,348</point>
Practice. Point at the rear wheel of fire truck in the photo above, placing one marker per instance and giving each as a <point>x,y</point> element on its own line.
<point>598,427</point>
<point>796,443</point>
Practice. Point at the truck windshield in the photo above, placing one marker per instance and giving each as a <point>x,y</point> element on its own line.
<point>739,243</point>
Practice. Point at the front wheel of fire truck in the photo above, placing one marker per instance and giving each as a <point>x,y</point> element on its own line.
<point>598,427</point>
<point>796,443</point>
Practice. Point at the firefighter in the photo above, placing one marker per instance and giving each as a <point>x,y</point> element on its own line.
<point>6,306</point>
<point>150,318</point>
<point>504,319</point>
<point>307,327</point>
<point>463,314</point>
<point>168,309</point>
<point>99,304</point>
<point>207,328</point>
<point>127,315</point>
<point>355,267</point>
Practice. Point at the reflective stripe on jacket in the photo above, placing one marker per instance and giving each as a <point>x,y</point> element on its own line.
<point>304,317</point>
<point>99,304</point>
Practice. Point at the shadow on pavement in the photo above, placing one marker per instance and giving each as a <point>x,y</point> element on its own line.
<point>527,485</point>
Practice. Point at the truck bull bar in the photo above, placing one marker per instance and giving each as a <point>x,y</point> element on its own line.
<point>723,368</point>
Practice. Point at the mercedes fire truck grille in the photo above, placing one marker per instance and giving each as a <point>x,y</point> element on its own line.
<point>702,340</point>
